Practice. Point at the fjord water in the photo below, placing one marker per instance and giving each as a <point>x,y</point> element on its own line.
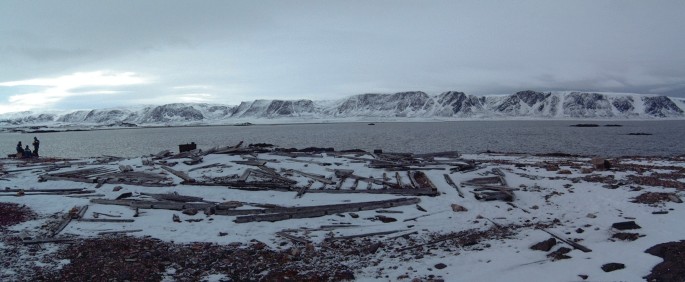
<point>418,137</point>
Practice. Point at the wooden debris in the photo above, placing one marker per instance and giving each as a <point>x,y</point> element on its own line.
<point>449,181</point>
<point>179,174</point>
<point>571,243</point>
<point>317,211</point>
<point>119,232</point>
<point>304,189</point>
<point>293,237</point>
<point>174,197</point>
<point>104,220</point>
<point>364,235</point>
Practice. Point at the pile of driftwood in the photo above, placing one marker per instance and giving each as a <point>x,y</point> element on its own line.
<point>103,174</point>
<point>263,212</point>
<point>403,172</point>
<point>491,188</point>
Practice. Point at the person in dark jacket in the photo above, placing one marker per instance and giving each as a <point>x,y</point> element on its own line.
<point>36,144</point>
<point>27,152</point>
<point>20,150</point>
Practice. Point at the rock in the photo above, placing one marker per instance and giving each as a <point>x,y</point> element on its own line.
<point>175,218</point>
<point>551,167</point>
<point>590,215</point>
<point>600,164</point>
<point>609,267</point>
<point>440,266</point>
<point>385,219</point>
<point>559,254</point>
<point>420,208</point>
<point>580,230</point>
<point>190,211</point>
<point>625,236</point>
<point>221,234</point>
<point>544,246</point>
<point>583,276</point>
<point>585,170</point>
<point>564,171</point>
<point>354,215</point>
<point>458,208</point>
<point>625,225</point>
<point>117,188</point>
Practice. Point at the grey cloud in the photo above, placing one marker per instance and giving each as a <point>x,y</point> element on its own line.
<point>323,50</point>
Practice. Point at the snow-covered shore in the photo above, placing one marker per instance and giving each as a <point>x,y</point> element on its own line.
<point>489,241</point>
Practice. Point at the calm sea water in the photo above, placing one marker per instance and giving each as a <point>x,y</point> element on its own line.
<point>419,137</point>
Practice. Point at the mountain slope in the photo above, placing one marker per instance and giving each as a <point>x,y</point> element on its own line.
<point>450,105</point>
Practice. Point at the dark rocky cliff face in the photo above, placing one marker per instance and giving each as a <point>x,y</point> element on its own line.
<point>459,102</point>
<point>661,106</point>
<point>579,104</point>
<point>173,112</point>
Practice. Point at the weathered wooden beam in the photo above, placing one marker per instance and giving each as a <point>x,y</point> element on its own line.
<point>293,237</point>
<point>571,243</point>
<point>304,189</point>
<point>320,178</point>
<point>42,190</point>
<point>180,174</point>
<point>105,220</point>
<point>174,197</point>
<point>118,232</point>
<point>317,211</point>
<point>449,181</point>
<point>365,235</point>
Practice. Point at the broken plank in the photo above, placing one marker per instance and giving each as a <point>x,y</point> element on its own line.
<point>316,177</point>
<point>570,243</point>
<point>118,232</point>
<point>180,174</point>
<point>304,189</point>
<point>105,220</point>
<point>365,235</point>
<point>293,237</point>
<point>449,181</point>
<point>317,211</point>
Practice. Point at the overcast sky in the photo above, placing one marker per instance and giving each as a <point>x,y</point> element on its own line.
<point>95,54</point>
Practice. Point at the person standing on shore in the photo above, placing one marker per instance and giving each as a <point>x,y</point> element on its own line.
<point>20,150</point>
<point>36,144</point>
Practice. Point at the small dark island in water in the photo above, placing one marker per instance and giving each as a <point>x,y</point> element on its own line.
<point>639,133</point>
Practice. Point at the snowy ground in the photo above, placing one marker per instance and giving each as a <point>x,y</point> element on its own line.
<point>563,195</point>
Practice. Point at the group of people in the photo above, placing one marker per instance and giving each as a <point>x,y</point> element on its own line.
<point>26,152</point>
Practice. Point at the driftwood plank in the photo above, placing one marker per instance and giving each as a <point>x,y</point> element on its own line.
<point>365,235</point>
<point>451,183</point>
<point>317,211</point>
<point>180,174</point>
<point>121,231</point>
<point>571,243</point>
<point>105,220</point>
<point>293,237</point>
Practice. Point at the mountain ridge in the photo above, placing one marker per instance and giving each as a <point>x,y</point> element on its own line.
<point>411,105</point>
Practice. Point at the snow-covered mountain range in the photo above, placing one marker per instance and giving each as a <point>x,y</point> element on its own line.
<point>390,107</point>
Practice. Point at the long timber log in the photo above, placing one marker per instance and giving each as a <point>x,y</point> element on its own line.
<point>317,211</point>
<point>180,174</point>
<point>154,204</point>
<point>104,220</point>
<point>449,181</point>
<point>43,190</point>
